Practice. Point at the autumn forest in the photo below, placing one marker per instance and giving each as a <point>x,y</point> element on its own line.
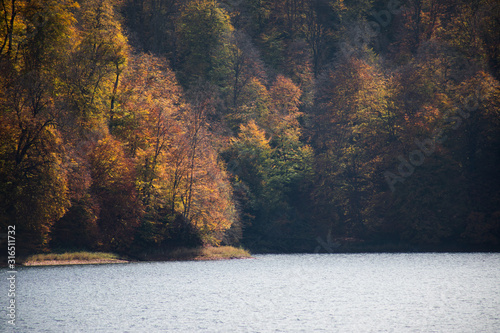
<point>134,126</point>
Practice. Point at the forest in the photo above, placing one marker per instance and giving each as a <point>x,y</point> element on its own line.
<point>278,125</point>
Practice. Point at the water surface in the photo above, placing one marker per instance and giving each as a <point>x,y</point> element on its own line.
<point>272,293</point>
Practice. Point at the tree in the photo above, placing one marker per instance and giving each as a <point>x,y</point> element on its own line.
<point>203,27</point>
<point>11,24</point>
<point>113,186</point>
<point>33,174</point>
<point>271,168</point>
<point>352,107</point>
<point>154,23</point>
<point>97,61</point>
<point>234,69</point>
<point>284,106</point>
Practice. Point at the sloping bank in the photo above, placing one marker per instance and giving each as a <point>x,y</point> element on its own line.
<point>82,258</point>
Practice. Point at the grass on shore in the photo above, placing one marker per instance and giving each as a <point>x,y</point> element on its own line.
<point>224,252</point>
<point>68,256</point>
<point>201,253</point>
<point>211,253</point>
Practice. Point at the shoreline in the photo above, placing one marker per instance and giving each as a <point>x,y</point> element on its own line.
<point>97,258</point>
<point>74,262</point>
<point>117,261</point>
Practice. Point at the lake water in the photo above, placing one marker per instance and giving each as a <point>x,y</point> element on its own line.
<point>272,293</point>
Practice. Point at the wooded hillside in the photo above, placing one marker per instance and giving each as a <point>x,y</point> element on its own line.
<point>279,125</point>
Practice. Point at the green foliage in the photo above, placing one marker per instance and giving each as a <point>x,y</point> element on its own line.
<point>270,172</point>
<point>203,28</point>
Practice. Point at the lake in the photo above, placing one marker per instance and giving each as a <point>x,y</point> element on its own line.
<point>430,292</point>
